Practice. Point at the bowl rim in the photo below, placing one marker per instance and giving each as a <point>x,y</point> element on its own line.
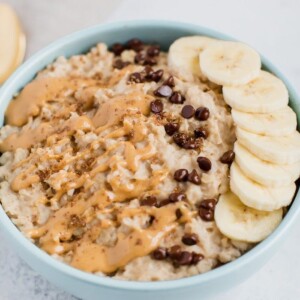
<point>10,229</point>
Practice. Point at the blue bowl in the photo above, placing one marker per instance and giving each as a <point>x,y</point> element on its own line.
<point>88,286</point>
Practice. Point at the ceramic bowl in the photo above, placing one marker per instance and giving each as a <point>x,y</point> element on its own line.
<point>91,287</point>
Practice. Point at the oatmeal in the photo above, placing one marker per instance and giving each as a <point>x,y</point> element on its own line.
<point>114,165</point>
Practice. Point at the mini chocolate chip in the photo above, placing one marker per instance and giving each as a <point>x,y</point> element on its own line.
<point>171,128</point>
<point>180,138</point>
<point>163,203</point>
<point>140,58</point>
<point>148,70</point>
<point>176,197</point>
<point>187,111</point>
<point>204,163</point>
<point>159,253</point>
<point>185,141</point>
<point>178,213</point>
<point>119,64</point>
<point>202,113</point>
<point>149,201</point>
<point>117,49</point>
<point>135,77</point>
<point>155,76</point>
<point>206,209</point>
<point>177,98</point>
<point>208,203</point>
<point>184,258</point>
<point>181,175</point>
<point>197,257</point>
<point>194,177</point>
<point>156,106</point>
<point>170,81</point>
<point>227,157</point>
<point>150,61</point>
<point>163,91</point>
<point>174,252</point>
<point>135,44</point>
<point>190,239</point>
<point>153,50</point>
<point>201,133</point>
<point>192,143</point>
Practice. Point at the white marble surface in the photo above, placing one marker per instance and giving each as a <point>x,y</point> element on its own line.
<point>271,26</point>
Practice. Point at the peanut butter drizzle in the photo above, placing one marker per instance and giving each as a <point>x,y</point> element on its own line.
<point>111,112</point>
<point>56,235</point>
<point>92,257</point>
<point>28,137</point>
<point>36,94</point>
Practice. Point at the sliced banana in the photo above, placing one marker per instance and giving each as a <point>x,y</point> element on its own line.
<point>9,41</point>
<point>21,51</point>
<point>230,63</point>
<point>279,123</point>
<point>183,57</point>
<point>257,196</point>
<point>280,150</point>
<point>242,223</point>
<point>264,172</point>
<point>265,94</point>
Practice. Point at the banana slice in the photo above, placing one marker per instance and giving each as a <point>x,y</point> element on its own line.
<point>265,94</point>
<point>230,63</point>
<point>279,123</point>
<point>242,223</point>
<point>264,172</point>
<point>280,150</point>
<point>258,196</point>
<point>183,57</point>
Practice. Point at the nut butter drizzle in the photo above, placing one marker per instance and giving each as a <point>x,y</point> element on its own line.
<point>56,235</point>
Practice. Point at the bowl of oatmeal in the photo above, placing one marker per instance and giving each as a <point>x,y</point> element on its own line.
<point>129,166</point>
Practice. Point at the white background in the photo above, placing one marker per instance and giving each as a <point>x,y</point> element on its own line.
<point>271,26</point>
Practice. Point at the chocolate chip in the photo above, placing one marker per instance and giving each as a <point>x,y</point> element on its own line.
<point>163,203</point>
<point>201,133</point>
<point>178,213</point>
<point>170,81</point>
<point>171,128</point>
<point>163,91</point>
<point>156,106</point>
<point>149,201</point>
<point>174,252</point>
<point>135,77</point>
<point>148,70</point>
<point>150,61</point>
<point>135,44</point>
<point>153,50</point>
<point>197,257</point>
<point>177,98</point>
<point>140,58</point>
<point>204,163</point>
<point>176,197</point>
<point>206,209</point>
<point>227,157</point>
<point>185,141</point>
<point>190,239</point>
<point>202,113</point>
<point>159,253</point>
<point>120,64</point>
<point>184,258</point>
<point>187,111</point>
<point>208,203</point>
<point>155,76</point>
<point>117,49</point>
<point>181,175</point>
<point>194,177</point>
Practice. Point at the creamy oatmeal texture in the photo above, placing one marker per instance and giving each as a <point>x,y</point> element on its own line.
<point>88,164</point>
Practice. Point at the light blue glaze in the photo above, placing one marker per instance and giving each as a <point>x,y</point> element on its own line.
<point>88,286</point>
